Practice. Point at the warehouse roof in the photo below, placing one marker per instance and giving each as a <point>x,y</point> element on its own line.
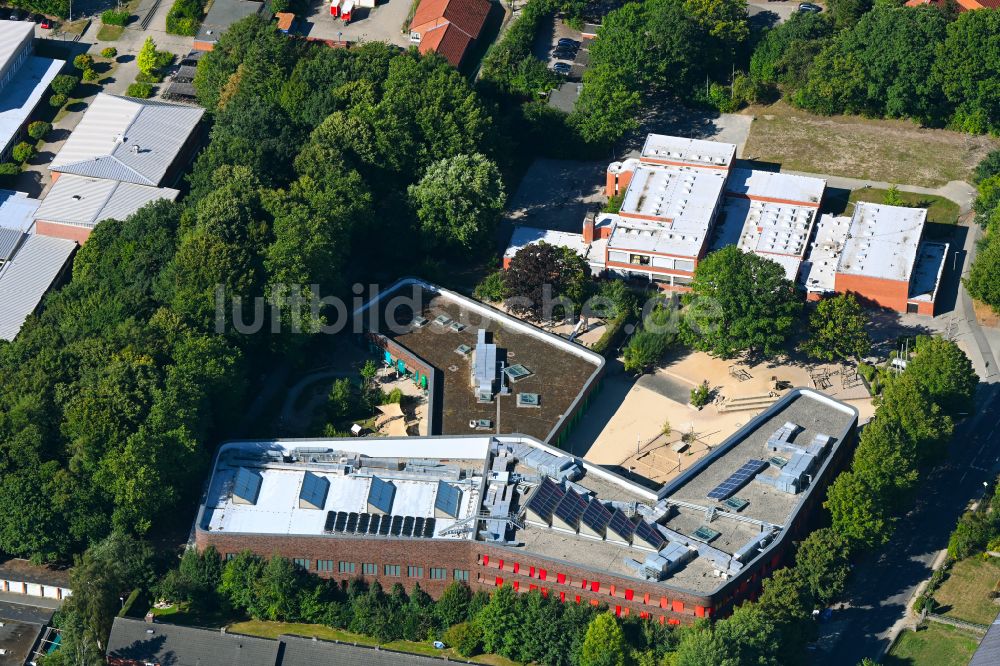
<point>27,277</point>
<point>126,139</point>
<point>84,201</point>
<point>882,241</point>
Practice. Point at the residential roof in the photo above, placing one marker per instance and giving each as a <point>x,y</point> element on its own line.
<point>882,241</point>
<point>24,91</point>
<point>222,14</point>
<point>188,646</point>
<point>27,277</point>
<point>127,139</point>
<point>447,41</point>
<point>469,16</point>
<point>84,201</point>
<point>988,652</point>
<point>963,5</point>
<point>660,148</point>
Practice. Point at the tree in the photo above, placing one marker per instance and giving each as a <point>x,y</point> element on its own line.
<point>239,582</point>
<point>542,278</point>
<point>988,166</point>
<point>604,644</point>
<point>967,73</point>
<point>740,302</point>
<point>146,61</point>
<point>983,282</point>
<point>459,201</point>
<point>64,84</point>
<point>838,329</point>
<point>499,619</point>
<point>944,373</point>
<point>856,511</point>
<point>83,62</point>
<point>846,13</point>
<point>22,152</point>
<point>38,129</point>
<point>453,605</point>
<point>725,20</point>
<point>492,288</point>
<point>822,560</point>
<point>893,197</point>
<point>786,52</point>
<point>644,350</point>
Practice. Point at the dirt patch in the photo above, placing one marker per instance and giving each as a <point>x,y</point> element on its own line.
<point>985,314</point>
<point>895,151</point>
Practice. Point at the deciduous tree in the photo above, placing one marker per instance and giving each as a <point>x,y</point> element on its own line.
<point>838,329</point>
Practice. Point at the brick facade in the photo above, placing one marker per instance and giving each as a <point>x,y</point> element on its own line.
<point>66,231</point>
<point>891,294</point>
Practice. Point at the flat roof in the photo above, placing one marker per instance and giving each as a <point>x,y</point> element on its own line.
<point>22,94</point>
<point>691,151</point>
<point>819,270</point>
<point>685,197</point>
<point>776,186</point>
<point>779,232</point>
<point>283,464</point>
<point>882,241</point>
<point>127,139</point>
<point>524,236</point>
<point>927,271</point>
<point>560,370</point>
<point>84,201</point>
<point>17,639</point>
<point>643,236</point>
<point>26,279</point>
<point>12,34</point>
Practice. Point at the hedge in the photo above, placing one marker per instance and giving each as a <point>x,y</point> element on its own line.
<point>185,17</point>
<point>140,90</point>
<point>612,333</point>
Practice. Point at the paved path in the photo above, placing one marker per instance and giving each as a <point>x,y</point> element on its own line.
<point>958,191</point>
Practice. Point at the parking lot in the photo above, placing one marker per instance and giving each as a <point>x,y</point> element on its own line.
<point>576,57</point>
<point>384,23</point>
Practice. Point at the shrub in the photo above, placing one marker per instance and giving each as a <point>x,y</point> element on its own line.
<point>57,100</point>
<point>112,17</point>
<point>38,129</point>
<point>614,203</point>
<point>465,637</point>
<point>644,349</point>
<point>64,84</point>
<point>83,62</point>
<point>90,75</point>
<point>492,288</point>
<point>140,90</point>
<point>110,52</point>
<point>22,152</point>
<point>185,17</point>
<point>701,395</point>
<point>9,169</point>
<point>148,78</point>
<point>163,59</point>
<point>393,396</point>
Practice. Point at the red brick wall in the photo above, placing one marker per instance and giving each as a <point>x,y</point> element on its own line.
<point>67,231</point>
<point>890,294</point>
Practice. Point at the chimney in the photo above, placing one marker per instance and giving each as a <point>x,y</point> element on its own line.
<point>588,229</point>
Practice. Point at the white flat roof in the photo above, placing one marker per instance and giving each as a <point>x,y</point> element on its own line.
<point>882,241</point>
<point>777,186</point>
<point>819,270</point>
<point>643,236</point>
<point>927,271</point>
<point>691,151</point>
<point>524,236</point>
<point>683,195</point>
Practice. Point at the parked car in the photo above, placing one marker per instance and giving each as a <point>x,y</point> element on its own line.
<point>561,68</point>
<point>810,8</point>
<point>46,23</point>
<point>564,54</point>
<point>566,41</point>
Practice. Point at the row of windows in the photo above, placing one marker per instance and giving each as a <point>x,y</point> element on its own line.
<point>371,569</point>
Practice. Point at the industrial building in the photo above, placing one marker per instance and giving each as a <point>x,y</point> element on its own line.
<point>482,370</point>
<point>495,509</point>
<point>24,80</point>
<point>683,198</point>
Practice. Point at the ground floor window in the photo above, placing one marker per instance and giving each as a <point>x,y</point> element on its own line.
<point>300,562</point>
<point>391,570</point>
<point>324,565</point>
<point>438,573</point>
<point>462,574</point>
<point>415,572</point>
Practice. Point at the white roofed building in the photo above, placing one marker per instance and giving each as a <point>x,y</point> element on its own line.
<point>24,80</point>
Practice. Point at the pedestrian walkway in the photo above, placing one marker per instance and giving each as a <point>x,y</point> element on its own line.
<point>958,191</point>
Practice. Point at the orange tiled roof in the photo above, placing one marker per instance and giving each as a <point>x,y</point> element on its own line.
<point>448,42</point>
<point>469,16</point>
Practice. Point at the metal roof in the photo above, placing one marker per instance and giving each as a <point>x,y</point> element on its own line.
<point>23,92</point>
<point>25,279</point>
<point>132,140</point>
<point>12,34</point>
<point>9,240</point>
<point>84,201</point>
<point>988,653</point>
<point>17,210</point>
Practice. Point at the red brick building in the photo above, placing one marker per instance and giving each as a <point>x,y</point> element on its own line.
<point>508,509</point>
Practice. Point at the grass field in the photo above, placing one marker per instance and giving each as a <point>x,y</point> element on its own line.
<point>274,629</point>
<point>934,645</point>
<point>893,151</point>
<point>939,209</point>
<point>965,594</point>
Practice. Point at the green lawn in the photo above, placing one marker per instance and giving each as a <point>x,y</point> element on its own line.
<point>181,614</point>
<point>934,645</point>
<point>965,594</point>
<point>266,629</point>
<point>110,33</point>
<point>939,209</point>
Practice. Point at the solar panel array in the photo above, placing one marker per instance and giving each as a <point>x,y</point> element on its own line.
<point>381,494</point>
<point>737,479</point>
<point>314,489</point>
<point>374,524</point>
<point>448,499</point>
<point>571,507</point>
<point>596,516</point>
<point>650,535</point>
<point>545,499</point>
<point>621,525</point>
<point>246,487</point>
